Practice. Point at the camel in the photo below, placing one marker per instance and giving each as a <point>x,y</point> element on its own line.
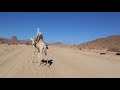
<point>39,45</point>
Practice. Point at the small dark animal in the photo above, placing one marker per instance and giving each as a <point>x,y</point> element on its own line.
<point>43,61</point>
<point>50,62</point>
<point>102,53</point>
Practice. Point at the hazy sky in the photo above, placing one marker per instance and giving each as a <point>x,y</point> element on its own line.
<point>67,27</point>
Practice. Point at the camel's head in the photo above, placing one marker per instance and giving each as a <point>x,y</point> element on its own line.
<point>33,41</point>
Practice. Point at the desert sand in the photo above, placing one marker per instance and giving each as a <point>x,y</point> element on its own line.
<point>15,62</point>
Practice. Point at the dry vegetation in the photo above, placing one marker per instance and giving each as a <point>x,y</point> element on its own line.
<point>114,49</point>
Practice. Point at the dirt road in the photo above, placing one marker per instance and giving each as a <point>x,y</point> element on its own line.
<point>15,62</point>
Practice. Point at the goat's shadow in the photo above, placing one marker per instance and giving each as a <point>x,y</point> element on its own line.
<point>45,62</point>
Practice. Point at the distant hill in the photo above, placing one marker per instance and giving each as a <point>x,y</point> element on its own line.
<point>14,40</point>
<point>4,40</point>
<point>56,43</point>
<point>103,43</point>
<point>60,44</point>
<point>111,43</point>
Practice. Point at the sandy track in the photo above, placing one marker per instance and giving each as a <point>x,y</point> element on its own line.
<point>15,62</point>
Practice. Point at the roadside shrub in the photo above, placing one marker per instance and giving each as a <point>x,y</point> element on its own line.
<point>113,49</point>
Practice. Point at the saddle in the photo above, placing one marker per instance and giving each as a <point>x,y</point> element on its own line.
<point>37,42</point>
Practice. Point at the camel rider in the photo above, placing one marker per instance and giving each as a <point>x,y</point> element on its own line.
<point>38,37</point>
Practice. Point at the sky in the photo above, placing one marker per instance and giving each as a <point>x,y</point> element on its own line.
<point>66,27</point>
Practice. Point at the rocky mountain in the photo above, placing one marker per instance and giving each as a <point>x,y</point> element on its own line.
<point>110,42</point>
<point>56,43</point>
<point>14,40</point>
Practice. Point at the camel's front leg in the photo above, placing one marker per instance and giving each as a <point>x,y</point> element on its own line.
<point>38,55</point>
<point>45,51</point>
<point>41,57</point>
<point>33,55</point>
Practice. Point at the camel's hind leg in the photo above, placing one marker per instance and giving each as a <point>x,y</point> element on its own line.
<point>45,51</point>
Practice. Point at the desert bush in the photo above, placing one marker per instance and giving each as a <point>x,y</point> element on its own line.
<point>79,47</point>
<point>14,43</point>
<point>3,42</point>
<point>113,49</point>
<point>27,43</point>
<point>8,43</point>
<point>102,53</point>
<point>118,53</point>
<point>90,48</point>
